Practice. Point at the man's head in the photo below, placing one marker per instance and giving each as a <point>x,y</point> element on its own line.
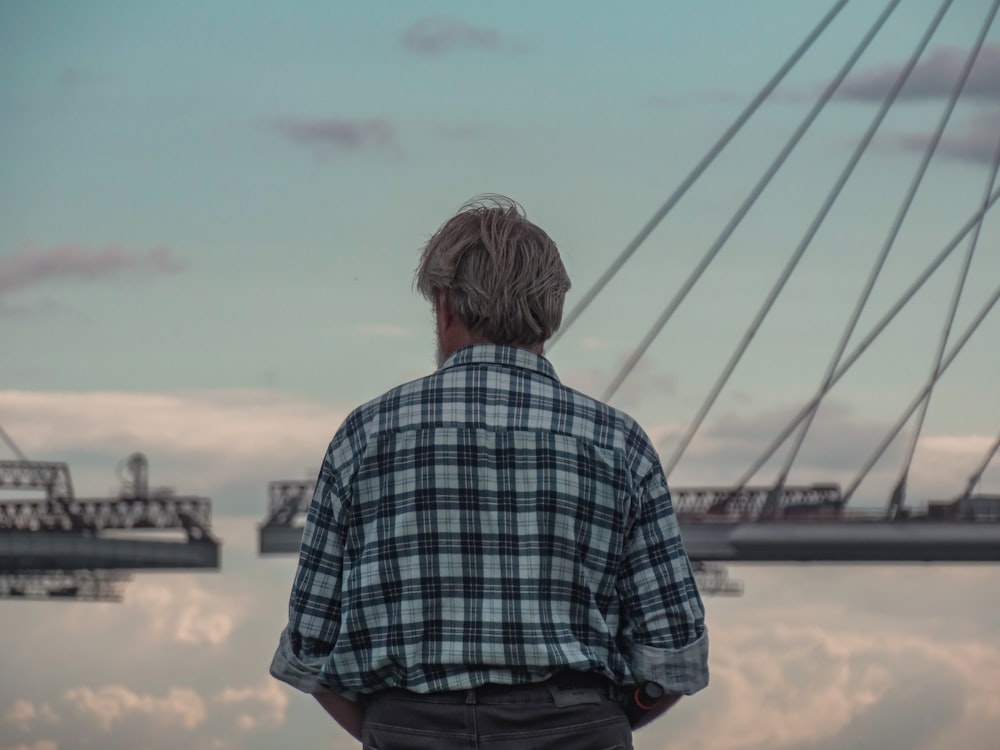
<point>496,274</point>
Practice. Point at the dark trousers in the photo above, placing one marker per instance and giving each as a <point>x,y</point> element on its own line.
<point>543,717</point>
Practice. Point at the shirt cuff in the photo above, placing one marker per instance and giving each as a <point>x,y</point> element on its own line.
<point>301,674</point>
<point>683,670</point>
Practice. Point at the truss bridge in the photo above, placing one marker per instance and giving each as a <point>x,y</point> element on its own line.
<point>61,546</point>
<point>723,525</point>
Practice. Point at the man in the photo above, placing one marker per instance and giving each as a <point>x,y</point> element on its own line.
<point>489,555</point>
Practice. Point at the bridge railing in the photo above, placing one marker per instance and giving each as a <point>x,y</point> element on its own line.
<point>290,498</point>
<point>287,499</point>
<point>166,512</point>
<point>50,476</point>
<point>747,503</point>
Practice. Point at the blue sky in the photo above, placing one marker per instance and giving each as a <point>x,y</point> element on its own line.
<point>209,218</point>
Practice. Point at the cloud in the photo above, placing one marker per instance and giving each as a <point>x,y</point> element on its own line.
<point>215,436</point>
<point>808,678</point>
<point>35,309</point>
<point>33,266</point>
<point>265,705</point>
<point>339,133</point>
<point>809,655</point>
<point>229,444</point>
<point>188,615</point>
<point>712,97</point>
<point>24,714</point>
<point>111,704</point>
<point>435,36</point>
<point>839,444</point>
<point>933,77</point>
<point>977,142</point>
<point>645,382</point>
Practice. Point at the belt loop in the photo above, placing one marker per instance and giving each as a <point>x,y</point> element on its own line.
<point>470,697</point>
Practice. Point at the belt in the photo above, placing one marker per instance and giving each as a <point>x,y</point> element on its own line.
<point>565,681</point>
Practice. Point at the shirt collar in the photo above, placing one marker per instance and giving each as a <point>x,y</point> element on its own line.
<point>498,354</point>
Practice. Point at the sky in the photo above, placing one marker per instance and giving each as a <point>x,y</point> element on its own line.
<point>210,214</point>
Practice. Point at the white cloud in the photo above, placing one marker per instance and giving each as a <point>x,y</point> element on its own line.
<point>646,383</point>
<point>186,614</point>
<point>781,679</point>
<point>264,704</point>
<point>784,676</point>
<point>234,424</point>
<point>110,704</point>
<point>23,714</point>
<point>212,436</point>
<point>838,446</point>
<point>809,672</point>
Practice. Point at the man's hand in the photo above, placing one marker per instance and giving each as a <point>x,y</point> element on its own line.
<point>658,708</point>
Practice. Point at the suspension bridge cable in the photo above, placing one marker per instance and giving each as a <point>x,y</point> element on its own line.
<point>867,341</point>
<point>873,276</point>
<point>706,160</point>
<point>803,245</point>
<point>862,299</point>
<point>899,492</point>
<point>977,475</point>
<point>949,358</point>
<point>747,203</point>
<point>12,445</point>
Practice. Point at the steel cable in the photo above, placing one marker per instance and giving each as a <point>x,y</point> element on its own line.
<point>748,202</point>
<point>695,173</point>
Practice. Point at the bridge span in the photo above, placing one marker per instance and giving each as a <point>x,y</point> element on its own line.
<point>88,548</point>
<point>722,525</point>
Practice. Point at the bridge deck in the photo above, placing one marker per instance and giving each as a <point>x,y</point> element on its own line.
<point>20,550</point>
<point>861,541</point>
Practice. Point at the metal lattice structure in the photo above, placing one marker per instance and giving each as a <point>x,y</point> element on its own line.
<point>60,547</point>
<point>50,477</point>
<point>290,498</point>
<point>193,514</point>
<point>286,499</point>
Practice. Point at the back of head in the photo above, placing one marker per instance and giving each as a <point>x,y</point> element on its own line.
<point>501,274</point>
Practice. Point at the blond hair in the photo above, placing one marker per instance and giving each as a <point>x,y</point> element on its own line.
<point>501,274</point>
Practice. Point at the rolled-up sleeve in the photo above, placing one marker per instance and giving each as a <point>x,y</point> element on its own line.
<point>663,617</point>
<point>314,606</point>
<point>302,673</point>
<point>682,670</point>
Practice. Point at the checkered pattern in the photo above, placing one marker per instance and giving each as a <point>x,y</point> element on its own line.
<point>486,524</point>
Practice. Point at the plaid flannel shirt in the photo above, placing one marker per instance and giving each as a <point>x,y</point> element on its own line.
<point>486,524</point>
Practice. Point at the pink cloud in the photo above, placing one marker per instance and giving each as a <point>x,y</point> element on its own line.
<point>435,36</point>
<point>43,308</point>
<point>933,77</point>
<point>977,142</point>
<point>34,265</point>
<point>333,131</point>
